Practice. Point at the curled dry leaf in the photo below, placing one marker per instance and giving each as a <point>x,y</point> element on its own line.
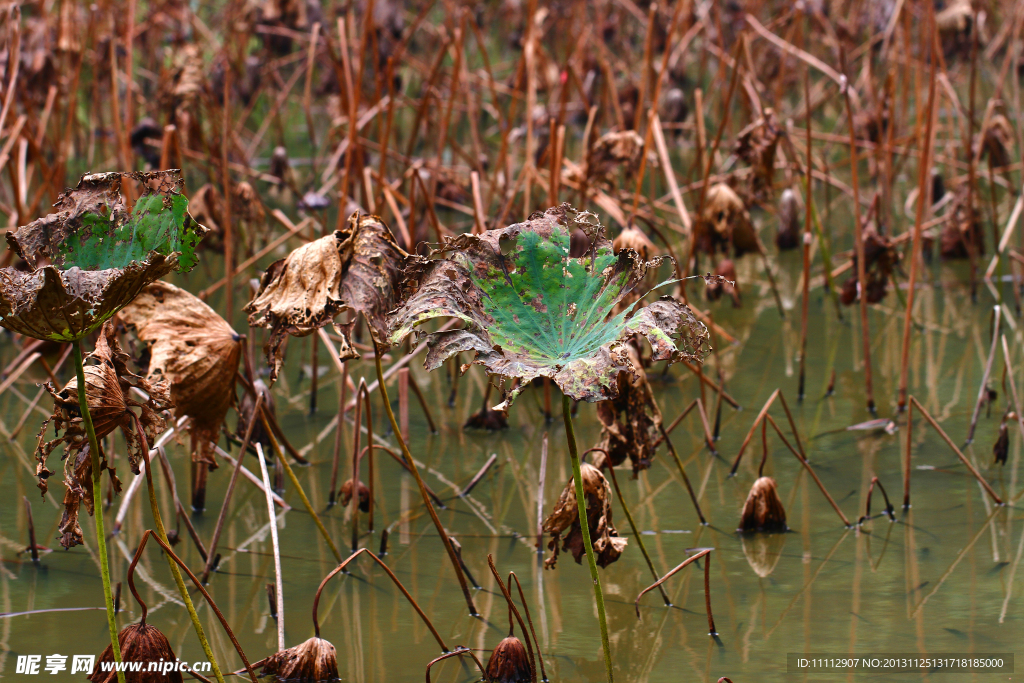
<point>531,310</point>
<point>314,660</point>
<point>960,234</point>
<point>607,544</point>
<point>613,151</point>
<point>364,495</point>
<point>634,238</point>
<point>997,141</point>
<point>356,269</point>
<point>93,255</point>
<point>138,643</point>
<point>763,510</point>
<point>630,422</point>
<point>196,351</point>
<point>725,223</point>
<point>881,258</point>
<point>509,663</point>
<point>107,388</point>
<point>756,144</point>
<point>723,281</point>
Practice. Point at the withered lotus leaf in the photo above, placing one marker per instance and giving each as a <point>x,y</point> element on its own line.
<point>630,422</point>
<point>196,351</point>
<point>93,254</point>
<point>314,660</point>
<point>108,383</point>
<point>356,269</point>
<point>725,223</point>
<point>509,663</point>
<point>763,510</point>
<point>139,643</point>
<point>607,544</point>
<point>531,310</point>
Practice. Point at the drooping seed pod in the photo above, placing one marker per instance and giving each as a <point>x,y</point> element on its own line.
<point>314,660</point>
<point>509,663</point>
<point>634,238</point>
<point>763,510</point>
<point>364,495</point>
<point>139,643</point>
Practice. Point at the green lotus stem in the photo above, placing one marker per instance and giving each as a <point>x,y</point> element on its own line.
<point>581,508</point>
<point>97,503</point>
<point>382,386</point>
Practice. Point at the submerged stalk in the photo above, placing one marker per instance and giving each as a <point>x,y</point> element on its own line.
<point>97,499</point>
<point>581,508</point>
<point>382,386</point>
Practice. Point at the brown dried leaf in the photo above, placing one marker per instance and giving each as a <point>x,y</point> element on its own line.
<point>763,510</point>
<point>107,387</point>
<point>630,422</point>
<point>509,663</point>
<point>139,643</point>
<point>195,350</point>
<point>725,223</point>
<point>607,544</point>
<point>92,256</point>
<point>357,269</point>
<point>613,151</point>
<point>756,144</point>
<point>314,660</point>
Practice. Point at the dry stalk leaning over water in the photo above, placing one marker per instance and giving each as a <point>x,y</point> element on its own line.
<point>701,552</point>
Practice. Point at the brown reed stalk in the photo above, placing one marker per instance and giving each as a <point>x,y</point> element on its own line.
<point>806,298</point>
<point>935,425</point>
<point>997,312</point>
<point>858,233</point>
<point>701,552</point>
<point>923,198</point>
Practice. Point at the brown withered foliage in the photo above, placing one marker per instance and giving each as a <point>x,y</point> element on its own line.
<point>107,386</point>
<point>509,663</point>
<point>139,643</point>
<point>613,151</point>
<point>881,259</point>
<point>723,281</point>
<point>788,236</point>
<point>245,414</point>
<point>997,141</point>
<point>565,517</point>
<point>763,510</point>
<point>364,495</point>
<point>725,223</point>
<point>196,351</point>
<point>62,294</point>
<point>356,269</point>
<point>630,422</point>
<point>960,234</point>
<point>634,238</point>
<point>756,145</point>
<point>314,660</point>
<point>956,26</point>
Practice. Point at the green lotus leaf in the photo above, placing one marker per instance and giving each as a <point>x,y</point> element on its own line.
<point>532,310</point>
<point>93,255</point>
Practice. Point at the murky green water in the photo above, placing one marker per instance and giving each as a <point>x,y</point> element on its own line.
<point>942,579</point>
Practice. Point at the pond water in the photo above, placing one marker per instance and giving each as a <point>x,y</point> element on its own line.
<point>942,578</point>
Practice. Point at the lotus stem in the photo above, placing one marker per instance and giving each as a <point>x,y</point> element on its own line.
<point>161,534</point>
<point>411,464</point>
<point>581,508</point>
<point>97,496</point>
<point>279,582</point>
<point>279,454</point>
<point>632,525</point>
